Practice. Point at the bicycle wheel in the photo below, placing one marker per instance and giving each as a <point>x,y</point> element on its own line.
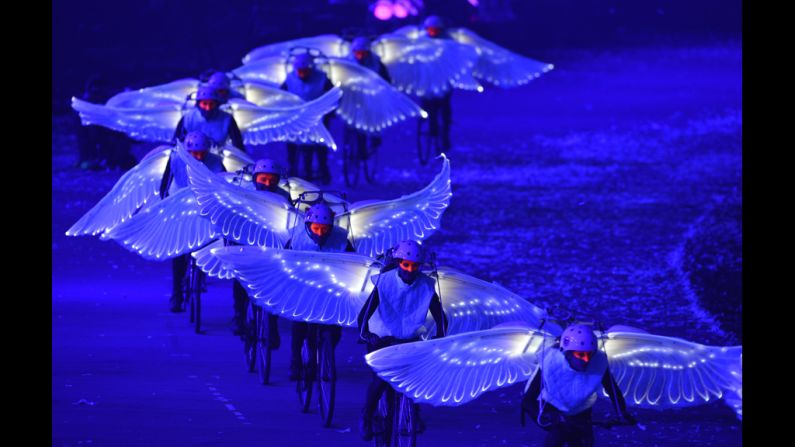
<point>369,159</point>
<point>350,158</point>
<point>263,348</point>
<point>425,141</point>
<point>327,378</point>
<point>305,381</point>
<point>250,338</point>
<point>404,432</point>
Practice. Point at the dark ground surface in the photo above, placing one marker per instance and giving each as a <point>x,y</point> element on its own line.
<point>611,185</point>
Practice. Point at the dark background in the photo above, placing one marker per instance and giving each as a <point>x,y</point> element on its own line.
<point>137,43</point>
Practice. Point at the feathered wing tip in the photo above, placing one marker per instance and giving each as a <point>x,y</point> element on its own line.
<point>734,395</point>
<point>137,188</point>
<point>210,264</point>
<point>377,226</point>
<point>170,228</point>
<point>151,124</point>
<point>663,372</point>
<point>456,369</point>
<point>498,65</point>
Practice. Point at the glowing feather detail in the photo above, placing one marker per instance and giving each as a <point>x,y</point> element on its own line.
<point>170,228</point>
<point>378,226</point>
<point>135,189</point>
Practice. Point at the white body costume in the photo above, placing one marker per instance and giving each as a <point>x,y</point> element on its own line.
<point>568,390</point>
<point>402,308</point>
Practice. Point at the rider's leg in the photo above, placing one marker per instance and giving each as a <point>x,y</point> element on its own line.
<point>240,305</point>
<point>299,331</point>
<point>179,266</point>
<point>371,398</point>
<point>322,160</point>
<point>361,143</point>
<point>447,120</point>
<point>273,331</point>
<point>292,159</point>
<point>431,106</point>
<point>308,153</point>
<point>579,429</point>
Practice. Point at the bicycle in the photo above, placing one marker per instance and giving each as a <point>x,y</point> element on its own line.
<point>359,152</point>
<point>318,367</point>
<point>193,284</point>
<point>395,422</point>
<point>257,346</point>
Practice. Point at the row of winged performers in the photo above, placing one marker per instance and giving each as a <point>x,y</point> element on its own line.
<point>495,337</point>
<point>416,64</point>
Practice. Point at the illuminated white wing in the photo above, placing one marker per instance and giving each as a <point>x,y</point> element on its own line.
<point>233,158</point>
<point>467,82</point>
<point>663,372</point>
<point>136,188</point>
<point>425,66</point>
<point>368,102</point>
<point>173,92</point>
<point>456,369</point>
<point>472,304</point>
<point>378,226</point>
<point>409,31</point>
<point>265,95</point>
<point>245,216</point>
<point>211,264</point>
<point>328,44</point>
<point>270,70</point>
<point>260,125</point>
<point>153,124</point>
<point>169,228</point>
<point>316,287</point>
<point>497,65</point>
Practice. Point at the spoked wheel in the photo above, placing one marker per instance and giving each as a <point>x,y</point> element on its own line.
<point>250,337</point>
<point>425,141</point>
<point>327,378</point>
<point>350,158</point>
<point>404,417</point>
<point>306,379</point>
<point>263,347</point>
<point>369,158</point>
